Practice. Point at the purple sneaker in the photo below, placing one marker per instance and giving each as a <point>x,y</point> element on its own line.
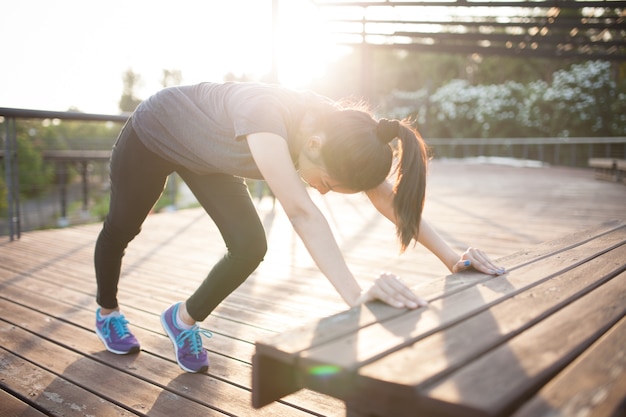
<point>114,333</point>
<point>190,354</point>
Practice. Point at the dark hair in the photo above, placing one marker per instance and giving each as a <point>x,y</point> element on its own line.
<point>358,158</point>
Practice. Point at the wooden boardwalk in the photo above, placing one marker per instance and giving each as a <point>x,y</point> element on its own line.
<point>51,362</point>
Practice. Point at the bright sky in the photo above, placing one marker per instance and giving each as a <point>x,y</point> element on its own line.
<point>58,54</point>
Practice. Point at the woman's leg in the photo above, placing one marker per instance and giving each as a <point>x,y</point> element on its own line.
<point>227,200</point>
<point>138,178</point>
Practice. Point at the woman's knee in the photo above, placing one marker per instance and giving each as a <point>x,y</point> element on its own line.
<point>118,234</point>
<point>251,248</point>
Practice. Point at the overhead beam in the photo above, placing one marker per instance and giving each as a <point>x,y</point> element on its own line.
<point>545,33</point>
<point>495,50</point>
<point>562,4</point>
<point>609,22</point>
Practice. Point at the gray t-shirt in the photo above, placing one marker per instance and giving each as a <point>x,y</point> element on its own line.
<point>203,127</point>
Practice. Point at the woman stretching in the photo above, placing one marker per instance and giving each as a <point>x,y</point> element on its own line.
<point>215,135</point>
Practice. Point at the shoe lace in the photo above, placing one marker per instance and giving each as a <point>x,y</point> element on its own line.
<point>193,337</point>
<point>118,323</point>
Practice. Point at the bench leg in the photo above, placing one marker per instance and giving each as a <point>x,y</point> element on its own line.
<point>354,409</point>
<point>271,380</point>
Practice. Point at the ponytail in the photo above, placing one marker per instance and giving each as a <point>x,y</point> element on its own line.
<point>410,185</point>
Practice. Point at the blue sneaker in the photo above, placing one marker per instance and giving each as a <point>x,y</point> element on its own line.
<point>114,333</point>
<point>190,354</point>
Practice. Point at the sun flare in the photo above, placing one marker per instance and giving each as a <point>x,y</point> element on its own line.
<point>304,45</point>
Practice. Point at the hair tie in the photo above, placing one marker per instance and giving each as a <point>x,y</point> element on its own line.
<point>387,130</point>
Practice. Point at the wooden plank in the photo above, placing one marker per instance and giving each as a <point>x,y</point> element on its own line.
<point>377,340</point>
<point>556,246</point>
<point>49,391</point>
<point>287,345</point>
<point>609,168</point>
<point>12,406</point>
<point>594,385</point>
<point>607,163</point>
<point>385,384</point>
<point>498,382</point>
<point>341,343</point>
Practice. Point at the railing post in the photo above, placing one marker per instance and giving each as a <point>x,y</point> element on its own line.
<point>63,220</point>
<point>12,178</point>
<point>84,173</point>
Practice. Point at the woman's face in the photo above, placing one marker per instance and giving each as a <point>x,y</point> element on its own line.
<point>312,169</point>
<point>315,175</point>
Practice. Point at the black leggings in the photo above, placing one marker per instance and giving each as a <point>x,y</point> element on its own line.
<point>138,178</point>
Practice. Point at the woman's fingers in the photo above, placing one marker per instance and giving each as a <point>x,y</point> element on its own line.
<point>477,259</point>
<point>391,290</point>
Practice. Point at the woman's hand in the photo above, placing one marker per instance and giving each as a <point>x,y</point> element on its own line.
<point>389,289</point>
<point>477,259</point>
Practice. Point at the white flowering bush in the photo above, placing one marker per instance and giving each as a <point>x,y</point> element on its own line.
<point>479,111</point>
<point>580,101</point>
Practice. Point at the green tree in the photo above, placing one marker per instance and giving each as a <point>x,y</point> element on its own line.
<point>129,101</point>
<point>171,78</point>
<point>3,195</point>
<point>500,69</point>
<point>34,174</point>
<point>71,134</point>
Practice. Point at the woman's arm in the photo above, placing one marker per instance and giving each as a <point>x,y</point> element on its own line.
<point>272,157</point>
<point>382,198</point>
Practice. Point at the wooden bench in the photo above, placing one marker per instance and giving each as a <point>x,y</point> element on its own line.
<point>609,169</point>
<point>546,338</point>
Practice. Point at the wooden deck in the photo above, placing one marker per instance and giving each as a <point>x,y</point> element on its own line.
<point>52,363</point>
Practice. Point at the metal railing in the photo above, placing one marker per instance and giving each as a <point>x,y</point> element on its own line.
<point>10,153</point>
<point>574,152</point>
<point>555,151</point>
